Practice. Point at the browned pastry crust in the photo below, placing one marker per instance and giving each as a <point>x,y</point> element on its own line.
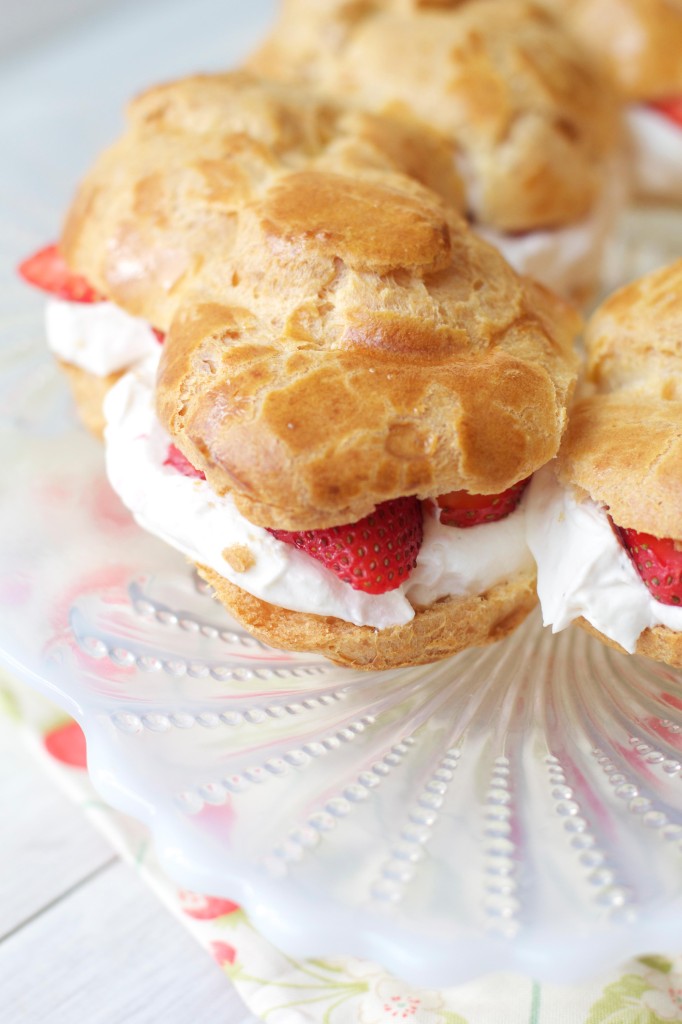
<point>623,445</point>
<point>625,451</point>
<point>531,115</point>
<point>155,218</point>
<point>89,392</point>
<point>640,40</point>
<point>634,339</point>
<point>401,358</point>
<point>437,632</point>
<point>336,335</point>
<point>659,643</point>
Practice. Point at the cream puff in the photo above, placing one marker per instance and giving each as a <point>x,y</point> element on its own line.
<point>641,43</point>
<point>352,389</point>
<point>605,522</point>
<point>531,120</point>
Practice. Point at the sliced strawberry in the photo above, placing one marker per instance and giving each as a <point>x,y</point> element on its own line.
<point>177,460</point>
<point>670,108</point>
<point>460,508</point>
<point>47,270</point>
<point>160,335</point>
<point>374,555</point>
<point>657,560</point>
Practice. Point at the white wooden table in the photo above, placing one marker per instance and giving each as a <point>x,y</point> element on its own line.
<point>81,937</point>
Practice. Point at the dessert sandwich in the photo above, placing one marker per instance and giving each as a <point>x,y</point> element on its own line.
<point>605,521</point>
<point>531,119</point>
<point>352,389</point>
<point>641,43</point>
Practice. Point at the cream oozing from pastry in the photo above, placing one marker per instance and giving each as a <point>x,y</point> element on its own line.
<point>583,570</point>
<point>187,514</point>
<point>98,337</point>
<point>656,149</point>
<point>567,259</point>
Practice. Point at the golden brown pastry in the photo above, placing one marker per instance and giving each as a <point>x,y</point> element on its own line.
<point>340,348</point>
<point>640,42</point>
<point>531,118</point>
<point>620,474</point>
<point>165,195</point>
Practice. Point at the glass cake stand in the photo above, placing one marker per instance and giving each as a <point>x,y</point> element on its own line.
<point>518,807</point>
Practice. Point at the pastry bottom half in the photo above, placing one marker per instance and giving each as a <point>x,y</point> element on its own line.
<point>89,392</point>
<point>445,628</point>
<point>659,643</point>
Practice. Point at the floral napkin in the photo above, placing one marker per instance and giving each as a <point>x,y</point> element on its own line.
<point>282,990</point>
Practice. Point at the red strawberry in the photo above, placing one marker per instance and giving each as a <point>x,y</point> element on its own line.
<point>66,743</point>
<point>460,508</point>
<point>160,335</point>
<point>47,270</point>
<point>374,555</point>
<point>178,461</point>
<point>657,560</point>
<point>670,108</point>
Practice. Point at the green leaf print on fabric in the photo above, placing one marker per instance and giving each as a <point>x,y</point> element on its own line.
<point>657,963</point>
<point>637,999</point>
<point>8,703</point>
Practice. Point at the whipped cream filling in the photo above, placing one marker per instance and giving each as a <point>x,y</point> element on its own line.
<point>98,337</point>
<point>187,514</point>
<point>656,149</point>
<point>584,570</point>
<point>567,259</point>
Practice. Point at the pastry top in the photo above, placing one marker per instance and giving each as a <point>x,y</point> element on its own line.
<point>625,450</point>
<point>530,115</point>
<point>623,445</point>
<point>634,339</point>
<point>370,347</point>
<point>195,151</point>
<point>640,40</point>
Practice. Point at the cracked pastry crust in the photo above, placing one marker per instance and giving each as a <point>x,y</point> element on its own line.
<point>639,40</point>
<point>623,444</point>
<point>437,632</point>
<point>155,218</point>
<point>350,369</point>
<point>337,337</point>
<point>531,115</point>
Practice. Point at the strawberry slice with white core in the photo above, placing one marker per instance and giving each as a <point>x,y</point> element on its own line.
<point>177,460</point>
<point>670,108</point>
<point>658,560</point>
<point>47,270</point>
<point>462,509</point>
<point>376,554</point>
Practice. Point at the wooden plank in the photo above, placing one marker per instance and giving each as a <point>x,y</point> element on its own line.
<point>110,953</point>
<point>47,847</point>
